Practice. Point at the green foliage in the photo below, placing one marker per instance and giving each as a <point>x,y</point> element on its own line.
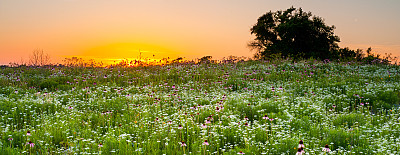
<point>303,124</point>
<point>349,120</point>
<point>235,84</point>
<point>8,150</point>
<point>48,84</point>
<point>138,110</point>
<point>383,99</point>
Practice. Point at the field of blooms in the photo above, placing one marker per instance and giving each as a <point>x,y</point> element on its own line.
<point>248,107</point>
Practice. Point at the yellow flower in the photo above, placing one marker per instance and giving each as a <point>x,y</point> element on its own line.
<point>294,148</point>
<point>135,121</point>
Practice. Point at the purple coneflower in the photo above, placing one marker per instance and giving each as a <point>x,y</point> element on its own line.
<point>28,133</point>
<point>361,104</point>
<point>10,139</point>
<point>301,144</point>
<point>205,142</point>
<point>334,106</point>
<point>326,148</point>
<point>299,151</point>
<point>240,152</point>
<point>100,145</point>
<point>245,118</point>
<point>246,124</point>
<point>70,108</point>
<point>211,118</point>
<point>271,119</point>
<point>183,144</point>
<point>31,144</point>
<point>217,109</point>
<point>180,127</point>
<point>265,117</point>
<point>204,126</point>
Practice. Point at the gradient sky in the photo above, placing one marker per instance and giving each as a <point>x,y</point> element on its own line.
<point>116,29</point>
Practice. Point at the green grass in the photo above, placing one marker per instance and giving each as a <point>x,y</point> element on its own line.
<point>138,110</point>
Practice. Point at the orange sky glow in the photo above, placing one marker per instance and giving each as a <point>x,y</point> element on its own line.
<point>129,29</point>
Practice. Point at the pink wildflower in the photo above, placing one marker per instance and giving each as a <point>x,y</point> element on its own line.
<point>326,148</point>
<point>205,142</point>
<point>265,117</point>
<point>183,144</point>
<point>301,144</point>
<point>31,144</point>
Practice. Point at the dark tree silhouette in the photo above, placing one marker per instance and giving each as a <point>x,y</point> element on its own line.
<point>293,33</point>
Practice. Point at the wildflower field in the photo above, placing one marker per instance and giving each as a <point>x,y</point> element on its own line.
<point>247,107</point>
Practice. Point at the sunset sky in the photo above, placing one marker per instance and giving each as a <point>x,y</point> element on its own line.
<point>111,30</point>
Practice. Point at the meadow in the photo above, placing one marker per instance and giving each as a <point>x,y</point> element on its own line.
<point>244,107</point>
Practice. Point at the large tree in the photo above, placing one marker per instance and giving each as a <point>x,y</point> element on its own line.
<point>293,33</point>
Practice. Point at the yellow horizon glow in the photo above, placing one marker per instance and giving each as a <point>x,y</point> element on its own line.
<point>129,50</point>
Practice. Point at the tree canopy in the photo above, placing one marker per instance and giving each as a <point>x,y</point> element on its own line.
<point>293,33</point>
